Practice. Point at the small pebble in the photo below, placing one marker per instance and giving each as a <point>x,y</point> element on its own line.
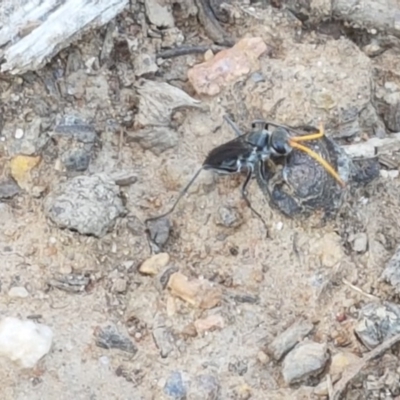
<point>19,133</point>
<point>18,291</point>
<point>110,338</point>
<point>341,361</point>
<point>120,285</point>
<point>283,343</point>
<point>229,217</point>
<point>262,357</point>
<point>391,174</point>
<point>174,387</point>
<point>209,323</point>
<point>8,189</point>
<point>76,160</point>
<point>306,360</point>
<point>208,55</point>
<point>164,340</point>
<point>360,242</point>
<point>199,293</point>
<point>25,342</point>
<point>154,264</point>
<point>159,231</point>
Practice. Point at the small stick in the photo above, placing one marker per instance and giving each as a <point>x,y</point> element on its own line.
<point>358,290</point>
<point>186,50</point>
<point>356,368</point>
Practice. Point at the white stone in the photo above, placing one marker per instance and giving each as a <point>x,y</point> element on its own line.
<point>19,133</point>
<point>18,291</point>
<point>25,342</point>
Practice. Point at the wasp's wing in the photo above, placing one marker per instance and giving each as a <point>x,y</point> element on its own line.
<point>225,157</point>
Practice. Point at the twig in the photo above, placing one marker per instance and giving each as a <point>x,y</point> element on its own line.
<point>211,25</point>
<point>356,368</point>
<point>330,386</point>
<point>358,290</point>
<point>185,50</point>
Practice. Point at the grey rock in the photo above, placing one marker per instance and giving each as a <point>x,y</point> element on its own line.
<point>163,337</point>
<point>155,139</point>
<point>8,189</point>
<point>110,338</point>
<point>159,231</point>
<point>174,387</point>
<point>87,204</point>
<point>306,360</point>
<point>159,13</point>
<point>283,343</point>
<point>33,140</point>
<point>391,273</point>
<point>229,217</point>
<point>72,126</point>
<point>72,283</point>
<point>144,64</point>
<point>360,242</point>
<point>76,160</point>
<point>377,322</point>
<point>349,124</point>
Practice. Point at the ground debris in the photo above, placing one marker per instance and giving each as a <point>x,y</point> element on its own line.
<point>87,204</point>
<point>8,189</point>
<point>157,102</point>
<point>210,323</point>
<point>154,264</point>
<point>198,293</point>
<point>73,283</point>
<point>377,323</point>
<point>35,34</point>
<point>356,368</point>
<point>289,338</point>
<point>21,167</point>
<point>304,361</point>
<point>391,273</point>
<point>163,337</point>
<point>155,139</point>
<point>110,338</point>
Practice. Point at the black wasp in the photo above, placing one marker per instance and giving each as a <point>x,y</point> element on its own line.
<point>243,154</point>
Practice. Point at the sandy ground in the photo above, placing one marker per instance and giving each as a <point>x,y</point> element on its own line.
<point>299,272</point>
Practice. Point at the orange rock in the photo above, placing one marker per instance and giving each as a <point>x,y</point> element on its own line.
<point>198,293</point>
<point>227,66</point>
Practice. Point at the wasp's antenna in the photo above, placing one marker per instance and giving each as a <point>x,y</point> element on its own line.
<point>293,141</point>
<point>181,194</point>
<point>233,126</point>
<point>319,159</point>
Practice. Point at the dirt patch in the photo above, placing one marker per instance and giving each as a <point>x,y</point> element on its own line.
<point>79,115</point>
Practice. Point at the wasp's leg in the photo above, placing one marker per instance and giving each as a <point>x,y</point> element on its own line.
<point>313,136</point>
<point>246,199</point>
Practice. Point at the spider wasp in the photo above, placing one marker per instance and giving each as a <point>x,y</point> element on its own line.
<point>249,150</point>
